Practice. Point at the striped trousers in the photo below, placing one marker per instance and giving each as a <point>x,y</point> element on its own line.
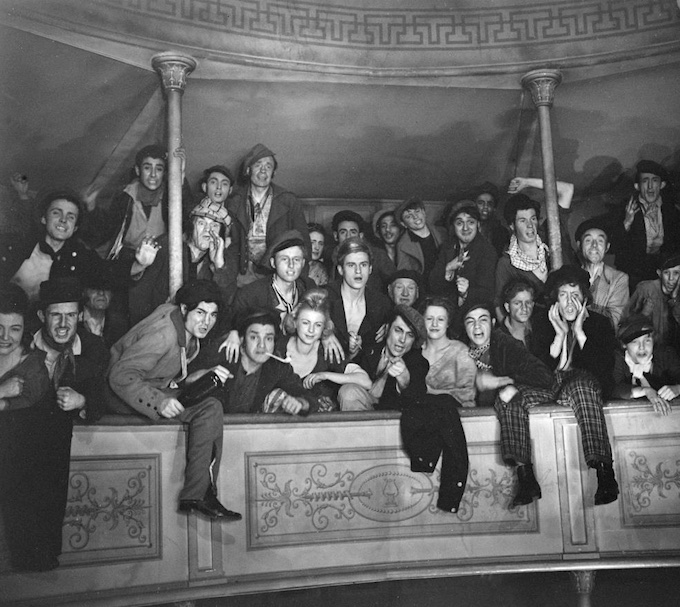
<point>575,388</point>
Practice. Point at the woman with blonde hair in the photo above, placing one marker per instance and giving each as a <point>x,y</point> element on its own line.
<point>305,326</point>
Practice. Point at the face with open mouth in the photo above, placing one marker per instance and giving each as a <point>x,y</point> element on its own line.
<point>569,301</point>
<point>217,187</point>
<point>478,325</point>
<point>61,321</point>
<point>525,225</point>
<point>199,321</point>
<point>262,172</point>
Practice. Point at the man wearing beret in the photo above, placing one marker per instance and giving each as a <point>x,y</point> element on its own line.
<point>205,255</point>
<point>658,300</point>
<point>646,227</point>
<point>261,211</point>
<point>151,361</point>
<point>608,286</point>
<point>76,363</point>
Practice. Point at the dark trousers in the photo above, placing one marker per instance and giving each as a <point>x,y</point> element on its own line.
<point>35,446</point>
<point>431,428</point>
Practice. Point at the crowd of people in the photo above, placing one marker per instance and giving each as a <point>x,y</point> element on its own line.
<point>277,315</point>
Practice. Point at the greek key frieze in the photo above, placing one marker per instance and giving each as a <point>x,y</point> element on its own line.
<point>415,28</point>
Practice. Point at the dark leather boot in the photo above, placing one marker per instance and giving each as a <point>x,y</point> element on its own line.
<point>211,500</point>
<point>528,488</point>
<point>607,487</point>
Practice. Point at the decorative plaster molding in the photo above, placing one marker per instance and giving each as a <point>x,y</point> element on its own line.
<point>113,509</point>
<point>421,28</point>
<point>339,496</point>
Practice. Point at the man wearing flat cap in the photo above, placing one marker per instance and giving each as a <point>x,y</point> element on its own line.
<point>76,363</point>
<point>279,292</point>
<point>658,300</point>
<point>646,227</point>
<point>205,255</point>
<point>262,211</point>
<point>609,287</point>
<point>643,368</point>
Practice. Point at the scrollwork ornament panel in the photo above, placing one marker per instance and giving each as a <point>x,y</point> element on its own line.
<point>113,509</point>
<point>310,497</point>
<point>650,479</point>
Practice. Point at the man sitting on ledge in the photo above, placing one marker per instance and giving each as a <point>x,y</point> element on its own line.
<point>147,364</point>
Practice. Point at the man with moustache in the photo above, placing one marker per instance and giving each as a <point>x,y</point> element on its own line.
<point>148,365</point>
<point>204,255</point>
<point>261,212</point>
<point>76,362</point>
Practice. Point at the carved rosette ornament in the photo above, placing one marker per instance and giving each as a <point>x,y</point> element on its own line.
<point>173,69</point>
<point>542,85</point>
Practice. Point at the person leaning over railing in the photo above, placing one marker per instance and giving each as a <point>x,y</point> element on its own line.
<point>150,362</point>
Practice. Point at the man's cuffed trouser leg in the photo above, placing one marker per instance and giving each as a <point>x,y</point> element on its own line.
<point>355,398</point>
<point>204,447</point>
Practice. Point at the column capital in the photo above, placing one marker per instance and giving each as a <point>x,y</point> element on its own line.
<point>173,69</point>
<point>542,84</point>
